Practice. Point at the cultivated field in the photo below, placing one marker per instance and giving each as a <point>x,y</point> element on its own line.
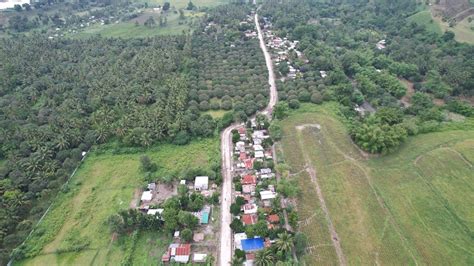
<point>104,184</point>
<point>410,207</point>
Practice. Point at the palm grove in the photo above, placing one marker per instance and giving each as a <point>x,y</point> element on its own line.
<point>61,97</point>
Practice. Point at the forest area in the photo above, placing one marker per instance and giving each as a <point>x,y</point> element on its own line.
<point>65,96</point>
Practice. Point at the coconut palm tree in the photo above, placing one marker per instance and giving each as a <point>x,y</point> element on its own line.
<point>284,242</point>
<point>237,261</point>
<point>264,258</point>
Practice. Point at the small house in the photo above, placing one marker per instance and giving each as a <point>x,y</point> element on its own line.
<point>252,244</point>
<point>259,154</point>
<point>249,219</point>
<point>238,240</point>
<point>248,189</point>
<point>199,257</point>
<point>147,196</point>
<point>257,148</point>
<point>177,253</point>
<point>267,195</point>
<point>249,180</point>
<point>250,208</point>
<point>201,183</point>
<point>273,218</point>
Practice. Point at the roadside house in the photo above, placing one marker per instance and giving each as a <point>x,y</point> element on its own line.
<point>177,253</point>
<point>201,183</point>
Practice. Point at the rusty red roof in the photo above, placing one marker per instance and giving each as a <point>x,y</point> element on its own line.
<point>273,218</point>
<point>249,180</point>
<point>183,250</point>
<point>249,219</point>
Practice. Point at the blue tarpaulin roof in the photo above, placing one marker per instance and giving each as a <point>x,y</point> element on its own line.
<point>252,244</point>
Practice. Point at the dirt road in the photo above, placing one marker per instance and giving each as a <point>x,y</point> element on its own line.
<point>271,74</point>
<point>226,217</point>
<point>225,247</point>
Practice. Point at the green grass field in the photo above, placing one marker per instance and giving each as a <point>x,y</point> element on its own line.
<point>410,207</point>
<point>104,184</point>
<point>131,30</point>
<point>463,30</point>
<point>184,3</point>
<point>424,18</point>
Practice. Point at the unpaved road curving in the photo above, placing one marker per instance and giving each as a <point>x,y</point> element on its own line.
<point>225,246</point>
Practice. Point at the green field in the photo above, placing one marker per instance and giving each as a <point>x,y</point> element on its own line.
<point>424,18</point>
<point>131,30</point>
<point>184,3</point>
<point>104,184</point>
<point>463,30</point>
<point>410,207</point>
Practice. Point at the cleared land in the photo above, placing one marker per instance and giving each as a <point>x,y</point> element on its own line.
<point>130,29</point>
<point>104,184</point>
<point>409,207</point>
<point>184,3</point>
<point>424,18</point>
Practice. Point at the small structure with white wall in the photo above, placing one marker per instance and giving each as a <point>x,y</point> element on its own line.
<point>201,183</point>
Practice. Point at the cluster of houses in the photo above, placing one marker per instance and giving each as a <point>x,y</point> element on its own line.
<point>248,150</point>
<point>282,47</point>
<point>177,251</point>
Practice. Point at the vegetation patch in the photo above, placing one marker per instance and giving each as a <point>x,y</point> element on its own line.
<point>104,185</point>
<point>411,205</point>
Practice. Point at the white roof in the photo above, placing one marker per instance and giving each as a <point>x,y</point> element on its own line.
<point>182,182</point>
<point>198,257</point>
<point>201,180</point>
<point>259,154</point>
<point>147,196</point>
<point>265,170</point>
<point>267,194</point>
<point>154,211</point>
<point>176,233</point>
<point>258,147</point>
<point>238,238</point>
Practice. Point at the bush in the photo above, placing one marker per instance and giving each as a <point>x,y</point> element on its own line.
<point>294,104</point>
<point>147,165</point>
<point>182,138</point>
<point>187,235</point>
<point>316,97</point>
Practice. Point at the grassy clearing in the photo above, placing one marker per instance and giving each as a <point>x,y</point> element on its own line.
<point>463,30</point>
<point>184,3</point>
<point>216,113</point>
<point>424,18</point>
<point>129,29</point>
<point>103,185</point>
<point>412,206</point>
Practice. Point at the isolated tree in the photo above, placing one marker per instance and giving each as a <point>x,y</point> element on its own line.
<point>280,110</point>
<point>301,242</point>
<point>284,243</point>
<point>150,22</point>
<point>186,235</point>
<point>190,6</point>
<point>166,6</point>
